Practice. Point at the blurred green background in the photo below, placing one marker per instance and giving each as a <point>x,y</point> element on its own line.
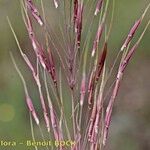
<point>130,128</point>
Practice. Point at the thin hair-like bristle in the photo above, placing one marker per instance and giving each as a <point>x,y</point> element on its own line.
<point>27,97</point>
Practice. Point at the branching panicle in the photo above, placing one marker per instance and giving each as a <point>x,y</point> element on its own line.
<point>87,77</point>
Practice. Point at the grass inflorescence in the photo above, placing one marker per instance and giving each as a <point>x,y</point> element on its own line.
<point>76,65</point>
